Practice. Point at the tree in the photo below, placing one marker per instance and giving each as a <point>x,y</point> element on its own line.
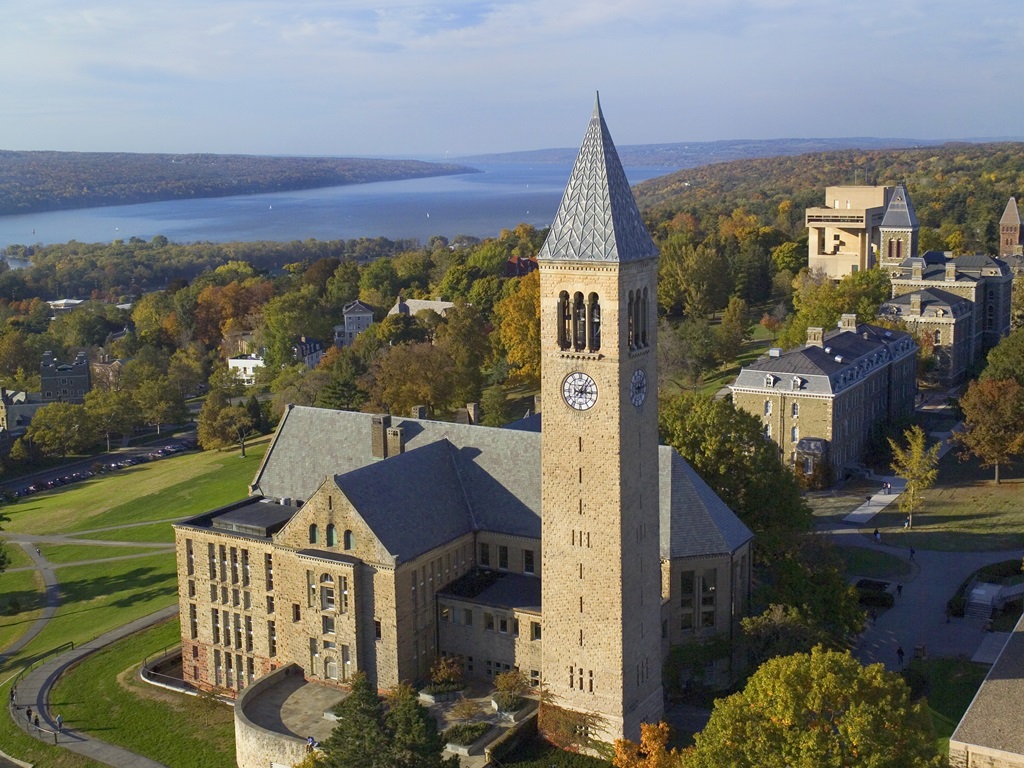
<point>113,412</point>
<point>732,331</point>
<point>791,256</point>
<point>1006,359</point>
<point>517,321</point>
<point>993,422</point>
<point>496,408</point>
<point>817,709</point>
<point>414,739</point>
<point>408,375</point>
<point>360,739</point>
<point>651,752</point>
<point>235,425</point>
<point>917,465</point>
<point>779,631</point>
<point>464,339</point>
<point>160,401</point>
<point>686,352</point>
<point>61,428</point>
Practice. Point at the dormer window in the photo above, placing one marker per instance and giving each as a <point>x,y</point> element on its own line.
<point>769,380</point>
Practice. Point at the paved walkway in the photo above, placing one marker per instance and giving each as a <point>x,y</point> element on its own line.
<point>34,691</point>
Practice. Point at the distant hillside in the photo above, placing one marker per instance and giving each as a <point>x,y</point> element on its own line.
<point>45,181</point>
<point>696,153</point>
<point>955,187</point>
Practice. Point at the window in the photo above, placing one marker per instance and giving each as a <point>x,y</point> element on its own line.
<point>594,323</point>
<point>707,598</point>
<point>215,624</point>
<point>488,622</point>
<point>313,537</point>
<point>349,540</point>
<point>503,557</point>
<point>376,629</point>
<point>467,617</point>
<point>270,603</point>
<point>528,566</point>
<point>503,625</point>
<point>535,630</point>
<point>485,553</point>
<point>191,558</point>
<point>269,563</point>
<point>272,638</point>
<point>564,320</point>
<point>328,625</point>
<point>343,583</point>
<point>445,613</point>
<point>193,622</point>
<point>326,592</point>
<point>579,322</point>
<point>767,407</point>
<point>332,535</point>
<point>248,633</point>
<point>794,434</point>
<point>795,409</point>
<point>296,614</point>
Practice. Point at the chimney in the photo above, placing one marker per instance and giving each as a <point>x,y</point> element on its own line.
<point>395,440</point>
<point>915,303</point>
<point>419,411</point>
<point>950,271</point>
<point>917,270</point>
<point>848,323</point>
<point>815,337</point>
<point>378,436</point>
<point>473,410</point>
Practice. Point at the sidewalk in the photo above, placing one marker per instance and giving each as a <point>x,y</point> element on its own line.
<point>34,691</point>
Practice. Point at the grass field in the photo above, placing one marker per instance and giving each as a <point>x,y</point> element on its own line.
<point>74,553</point>
<point>100,596</point>
<point>171,488</point>
<point>950,685</point>
<point>102,695</point>
<point>18,557</point>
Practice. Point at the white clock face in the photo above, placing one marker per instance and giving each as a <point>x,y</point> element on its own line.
<point>638,387</point>
<point>579,391</point>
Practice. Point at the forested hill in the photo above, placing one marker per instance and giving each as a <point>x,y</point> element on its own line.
<point>959,185</point>
<point>31,182</point>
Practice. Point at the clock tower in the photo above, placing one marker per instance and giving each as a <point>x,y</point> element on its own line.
<point>601,590</point>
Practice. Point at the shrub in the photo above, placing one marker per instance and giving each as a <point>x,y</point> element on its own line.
<point>875,599</point>
<point>465,734</point>
<point>510,687</point>
<point>956,605</point>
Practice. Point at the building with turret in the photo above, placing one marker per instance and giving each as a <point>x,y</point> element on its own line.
<point>570,545</point>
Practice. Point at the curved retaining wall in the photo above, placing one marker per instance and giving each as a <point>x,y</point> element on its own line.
<point>256,746</point>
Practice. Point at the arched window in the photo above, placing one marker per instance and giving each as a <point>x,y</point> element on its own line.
<point>332,535</point>
<point>938,338</point>
<point>767,407</point>
<point>564,321</point>
<point>796,409</point>
<point>899,250</point>
<point>313,537</point>
<point>890,244</point>
<point>794,434</point>
<point>579,322</point>
<point>349,540</point>
<point>638,330</point>
<point>593,323</point>
<point>630,330</point>
<point>330,669</point>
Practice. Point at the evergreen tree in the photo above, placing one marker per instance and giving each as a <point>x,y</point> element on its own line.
<point>360,739</point>
<point>415,742</point>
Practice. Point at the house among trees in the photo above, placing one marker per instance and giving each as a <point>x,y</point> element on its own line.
<point>64,382</point>
<point>580,553</point>
<point>358,317</point>
<point>411,307</point>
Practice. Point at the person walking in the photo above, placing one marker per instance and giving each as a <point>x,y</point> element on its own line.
<point>899,655</point>
<point>899,589</point>
<point>912,553</point>
<point>878,537</point>
<point>60,723</point>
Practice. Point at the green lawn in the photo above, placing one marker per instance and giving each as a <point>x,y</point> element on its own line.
<point>168,489</point>
<point>73,553</point>
<point>23,589</point>
<point>950,685</point>
<point>18,557</point>
<point>102,695</point>
<point>151,532</point>
<point>838,504</point>
<point>872,563</point>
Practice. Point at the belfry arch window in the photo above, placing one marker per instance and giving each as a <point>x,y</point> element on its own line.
<point>579,322</point>
<point>630,329</point>
<point>643,320</point>
<point>564,321</point>
<point>593,323</point>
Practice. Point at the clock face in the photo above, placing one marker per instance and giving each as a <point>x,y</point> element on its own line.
<point>579,391</point>
<point>638,387</point>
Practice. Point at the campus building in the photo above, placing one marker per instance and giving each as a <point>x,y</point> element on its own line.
<point>821,402</point>
<point>578,553</point>
<point>64,382</point>
<point>844,235</point>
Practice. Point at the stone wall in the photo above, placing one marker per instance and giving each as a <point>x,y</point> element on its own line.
<point>972,756</point>
<point>255,746</point>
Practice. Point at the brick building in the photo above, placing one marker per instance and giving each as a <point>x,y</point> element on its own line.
<point>578,553</point>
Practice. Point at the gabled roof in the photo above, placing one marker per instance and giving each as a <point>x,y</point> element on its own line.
<point>695,522</point>
<point>900,212</point>
<point>1012,214</point>
<point>412,502</point>
<point>597,219</point>
<point>453,479</point>
<point>356,306</point>
<point>931,299</point>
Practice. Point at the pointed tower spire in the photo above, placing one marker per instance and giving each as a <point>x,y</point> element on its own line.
<point>598,219</point>
<point>900,212</point>
<point>1010,231</point>
<point>1011,215</point>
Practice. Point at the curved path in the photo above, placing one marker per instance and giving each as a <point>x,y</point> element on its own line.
<point>34,688</point>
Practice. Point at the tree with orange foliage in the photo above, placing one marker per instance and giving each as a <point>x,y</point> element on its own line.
<point>650,752</point>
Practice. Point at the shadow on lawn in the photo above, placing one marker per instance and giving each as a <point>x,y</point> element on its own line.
<point>140,585</point>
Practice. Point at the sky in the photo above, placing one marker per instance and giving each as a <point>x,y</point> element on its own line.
<point>459,77</point>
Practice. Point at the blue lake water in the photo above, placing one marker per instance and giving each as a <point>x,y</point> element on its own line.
<point>479,204</point>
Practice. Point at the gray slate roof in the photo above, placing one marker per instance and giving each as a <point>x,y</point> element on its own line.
<point>900,212</point>
<point>456,478</point>
<point>597,219</point>
<point>932,299</point>
<point>845,357</point>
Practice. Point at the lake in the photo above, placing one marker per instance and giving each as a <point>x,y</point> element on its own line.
<point>479,204</point>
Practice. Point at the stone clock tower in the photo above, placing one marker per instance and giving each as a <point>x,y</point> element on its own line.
<point>599,449</point>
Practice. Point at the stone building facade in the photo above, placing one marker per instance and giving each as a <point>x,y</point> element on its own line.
<point>843,236</point>
<point>64,382</point>
<point>834,390</point>
<point>376,543</point>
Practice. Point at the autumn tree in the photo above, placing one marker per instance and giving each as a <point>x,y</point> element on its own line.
<point>651,752</point>
<point>517,322</point>
<point>993,429</point>
<point>1006,359</point>
<point>821,708</point>
<point>159,402</point>
<point>113,411</point>
<point>58,429</point>
<point>408,375</point>
<point>917,465</point>
<point>463,338</point>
